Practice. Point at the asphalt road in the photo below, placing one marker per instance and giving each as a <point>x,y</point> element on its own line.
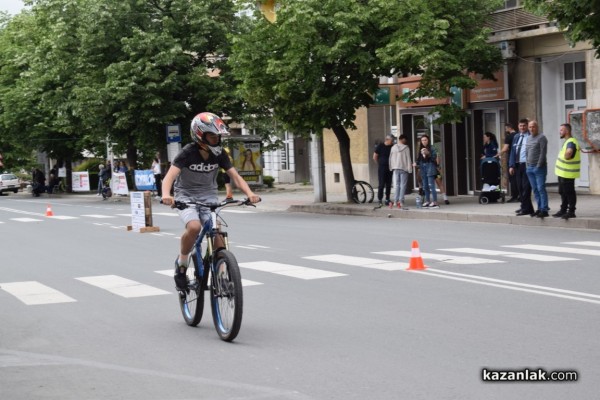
<point>330,311</point>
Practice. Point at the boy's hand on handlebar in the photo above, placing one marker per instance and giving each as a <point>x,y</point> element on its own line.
<point>254,198</point>
<point>168,200</point>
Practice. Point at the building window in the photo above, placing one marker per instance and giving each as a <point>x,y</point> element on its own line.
<point>574,80</point>
<point>574,86</point>
<point>285,151</point>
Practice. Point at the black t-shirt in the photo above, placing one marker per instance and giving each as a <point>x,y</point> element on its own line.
<point>383,152</point>
<point>198,177</point>
<point>508,139</point>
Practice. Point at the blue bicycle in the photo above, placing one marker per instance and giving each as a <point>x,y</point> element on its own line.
<point>220,266</point>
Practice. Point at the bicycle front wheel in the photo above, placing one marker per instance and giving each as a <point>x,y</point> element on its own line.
<point>192,300</point>
<point>226,298</point>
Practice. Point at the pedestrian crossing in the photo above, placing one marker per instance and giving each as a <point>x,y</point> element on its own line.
<point>39,217</point>
<point>328,266</point>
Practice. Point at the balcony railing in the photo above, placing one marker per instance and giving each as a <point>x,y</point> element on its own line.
<point>515,19</point>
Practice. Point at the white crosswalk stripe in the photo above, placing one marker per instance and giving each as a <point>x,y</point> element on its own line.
<point>592,244</point>
<point>63,217</point>
<point>556,249</point>
<point>35,293</point>
<point>245,282</point>
<point>442,257</point>
<point>122,286</point>
<point>360,262</point>
<point>293,271</point>
<point>99,216</point>
<point>26,219</point>
<point>486,252</point>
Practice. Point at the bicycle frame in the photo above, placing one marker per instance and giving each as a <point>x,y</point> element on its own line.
<point>209,231</point>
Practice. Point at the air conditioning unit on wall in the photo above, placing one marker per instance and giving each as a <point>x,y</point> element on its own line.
<point>508,49</point>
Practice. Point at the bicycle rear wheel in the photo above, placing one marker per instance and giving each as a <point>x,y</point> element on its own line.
<point>369,192</point>
<point>359,195</point>
<point>192,301</point>
<point>226,298</point>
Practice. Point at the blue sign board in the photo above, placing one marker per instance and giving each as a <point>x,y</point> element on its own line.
<point>174,133</point>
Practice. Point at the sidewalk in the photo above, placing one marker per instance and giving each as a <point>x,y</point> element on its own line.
<point>299,198</point>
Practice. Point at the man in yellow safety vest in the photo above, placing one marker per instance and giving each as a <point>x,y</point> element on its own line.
<point>568,165</point>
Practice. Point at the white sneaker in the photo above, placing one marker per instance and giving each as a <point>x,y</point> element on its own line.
<point>425,205</point>
<point>433,205</point>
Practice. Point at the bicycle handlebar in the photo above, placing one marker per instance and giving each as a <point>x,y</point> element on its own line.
<point>182,205</point>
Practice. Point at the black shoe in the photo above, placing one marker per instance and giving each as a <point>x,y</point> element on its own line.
<point>446,201</point>
<point>518,211</point>
<point>535,213</point>
<point>181,282</point>
<point>559,214</point>
<point>521,213</point>
<point>569,215</point>
<point>512,200</point>
<point>542,214</point>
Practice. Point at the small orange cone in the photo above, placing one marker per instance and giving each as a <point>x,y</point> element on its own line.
<point>416,262</point>
<point>49,212</point>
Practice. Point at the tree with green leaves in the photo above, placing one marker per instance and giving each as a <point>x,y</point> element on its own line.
<point>321,59</point>
<point>75,74</point>
<point>579,19</point>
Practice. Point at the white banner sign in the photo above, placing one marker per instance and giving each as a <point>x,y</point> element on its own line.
<point>118,183</point>
<point>138,216</point>
<point>81,181</point>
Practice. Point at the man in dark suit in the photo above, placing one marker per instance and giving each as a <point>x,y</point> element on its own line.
<point>518,167</point>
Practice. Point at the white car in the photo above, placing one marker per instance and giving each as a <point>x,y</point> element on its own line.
<point>9,183</point>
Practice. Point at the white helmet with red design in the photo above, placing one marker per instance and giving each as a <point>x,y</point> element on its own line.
<point>206,122</point>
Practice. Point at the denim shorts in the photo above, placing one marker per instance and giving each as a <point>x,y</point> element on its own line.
<point>191,214</point>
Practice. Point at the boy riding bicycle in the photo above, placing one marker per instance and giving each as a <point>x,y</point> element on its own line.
<point>194,172</point>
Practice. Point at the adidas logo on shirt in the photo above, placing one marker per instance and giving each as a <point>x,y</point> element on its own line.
<point>203,167</point>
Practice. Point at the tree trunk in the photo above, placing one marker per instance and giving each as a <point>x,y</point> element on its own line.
<point>344,141</point>
<point>131,153</point>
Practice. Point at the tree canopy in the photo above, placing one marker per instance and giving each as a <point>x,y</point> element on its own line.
<point>321,60</point>
<point>75,74</point>
<point>579,19</point>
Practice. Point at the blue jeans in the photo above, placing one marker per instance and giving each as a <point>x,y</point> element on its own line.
<point>429,188</point>
<point>400,181</point>
<point>537,179</point>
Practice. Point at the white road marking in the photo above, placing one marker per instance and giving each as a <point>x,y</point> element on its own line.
<point>360,262</point>
<point>245,282</point>
<point>594,244</point>
<point>556,249</point>
<point>22,212</point>
<point>122,286</point>
<point>442,257</point>
<point>522,287</point>
<point>238,211</point>
<point>165,214</point>
<point>63,217</point>
<point>293,271</point>
<point>26,220</point>
<point>99,216</point>
<point>486,252</point>
<point>34,293</point>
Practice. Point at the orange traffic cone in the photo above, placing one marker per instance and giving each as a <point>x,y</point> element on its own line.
<point>49,212</point>
<point>416,262</point>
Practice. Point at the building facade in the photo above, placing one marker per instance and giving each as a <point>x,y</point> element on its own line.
<point>543,78</point>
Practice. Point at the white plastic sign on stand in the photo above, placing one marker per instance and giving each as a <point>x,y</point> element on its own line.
<point>138,216</point>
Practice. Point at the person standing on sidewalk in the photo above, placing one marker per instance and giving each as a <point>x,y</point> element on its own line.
<point>537,167</point>
<point>401,166</point>
<point>427,162</point>
<point>518,167</point>
<point>568,168</point>
<point>382,158</point>
<point>157,172</point>
<point>512,179</point>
